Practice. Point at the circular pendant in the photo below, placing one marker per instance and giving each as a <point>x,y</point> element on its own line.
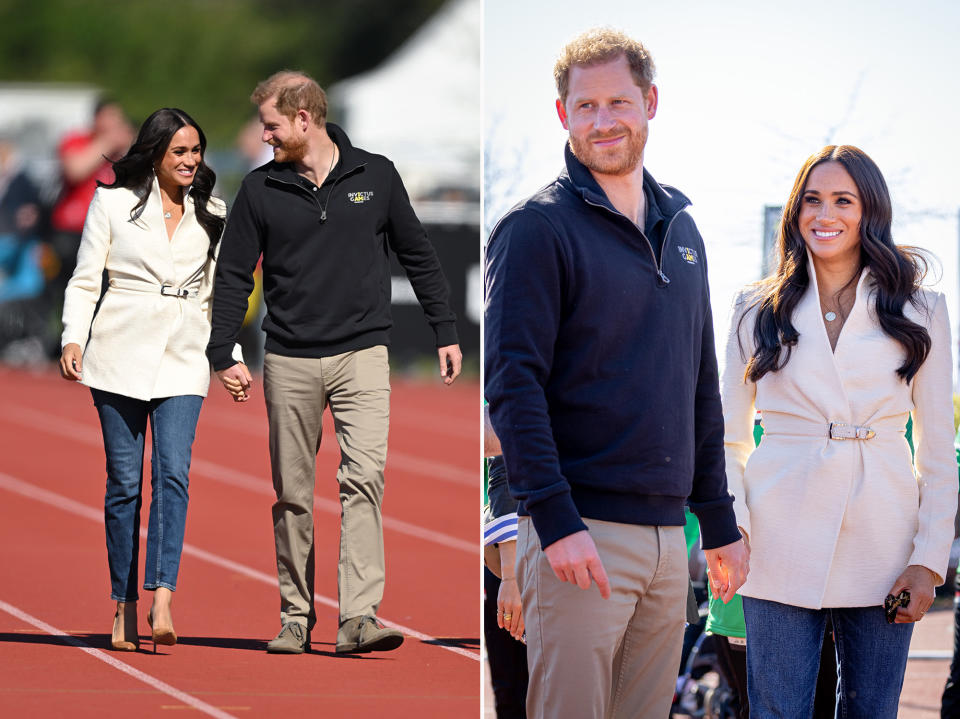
<point>167,216</point>
<point>830,316</point>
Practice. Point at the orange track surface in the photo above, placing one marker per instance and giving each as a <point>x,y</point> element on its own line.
<point>53,568</point>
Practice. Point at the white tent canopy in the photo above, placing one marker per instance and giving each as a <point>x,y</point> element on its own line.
<point>421,107</point>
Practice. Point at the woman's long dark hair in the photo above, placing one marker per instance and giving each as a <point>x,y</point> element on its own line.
<point>135,170</point>
<point>897,271</point>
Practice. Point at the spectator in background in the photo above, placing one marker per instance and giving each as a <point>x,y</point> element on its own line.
<point>251,146</point>
<point>85,159</point>
<point>21,275</point>
<point>950,701</point>
<point>19,198</point>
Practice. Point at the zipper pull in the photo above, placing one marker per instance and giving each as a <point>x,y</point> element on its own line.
<point>663,279</point>
<point>323,215</point>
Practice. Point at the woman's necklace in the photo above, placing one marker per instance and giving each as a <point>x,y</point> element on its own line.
<point>168,214</point>
<point>838,305</point>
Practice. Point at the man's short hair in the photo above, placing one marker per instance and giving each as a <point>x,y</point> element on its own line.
<point>600,45</point>
<point>294,91</point>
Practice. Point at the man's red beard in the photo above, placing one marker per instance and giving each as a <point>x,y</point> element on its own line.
<point>290,151</point>
<point>620,160</point>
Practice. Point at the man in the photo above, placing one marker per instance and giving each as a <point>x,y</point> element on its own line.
<point>602,380</point>
<point>323,215</point>
<point>85,158</point>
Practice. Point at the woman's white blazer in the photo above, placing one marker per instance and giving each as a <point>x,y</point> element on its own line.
<point>149,336</point>
<point>833,522</point>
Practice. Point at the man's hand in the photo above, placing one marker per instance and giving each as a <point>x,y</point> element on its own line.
<point>71,362</point>
<point>727,569</point>
<point>920,582</point>
<point>451,360</point>
<point>237,380</point>
<point>574,559</point>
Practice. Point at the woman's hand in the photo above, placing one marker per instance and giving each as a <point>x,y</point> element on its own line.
<point>71,363</point>
<point>236,379</point>
<point>920,582</point>
<point>509,610</point>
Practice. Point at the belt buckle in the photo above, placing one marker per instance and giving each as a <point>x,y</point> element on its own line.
<point>174,291</point>
<point>843,430</point>
<point>835,429</point>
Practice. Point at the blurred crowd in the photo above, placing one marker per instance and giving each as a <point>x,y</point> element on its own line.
<point>39,239</point>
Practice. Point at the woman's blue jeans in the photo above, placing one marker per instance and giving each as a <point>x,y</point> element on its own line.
<point>173,424</point>
<point>783,655</point>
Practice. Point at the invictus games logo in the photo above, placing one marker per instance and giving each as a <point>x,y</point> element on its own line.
<point>689,255</point>
<point>358,198</point>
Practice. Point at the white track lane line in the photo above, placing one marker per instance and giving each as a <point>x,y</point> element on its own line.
<point>32,491</point>
<point>147,679</point>
<point>90,435</point>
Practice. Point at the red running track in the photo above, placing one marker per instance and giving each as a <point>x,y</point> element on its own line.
<point>55,608</point>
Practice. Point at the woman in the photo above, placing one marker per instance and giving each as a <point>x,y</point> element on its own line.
<point>836,348</point>
<point>502,611</point>
<point>155,231</point>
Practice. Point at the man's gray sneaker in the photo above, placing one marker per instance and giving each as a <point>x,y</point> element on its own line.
<point>366,634</point>
<point>292,639</point>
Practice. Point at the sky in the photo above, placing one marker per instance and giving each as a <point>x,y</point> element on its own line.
<point>747,91</point>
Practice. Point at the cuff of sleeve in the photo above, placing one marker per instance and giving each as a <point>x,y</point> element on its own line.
<point>555,518</point>
<point>221,357</point>
<point>743,516</point>
<point>446,333</point>
<point>500,529</point>
<point>73,341</point>
<point>718,526</point>
<point>937,567</point>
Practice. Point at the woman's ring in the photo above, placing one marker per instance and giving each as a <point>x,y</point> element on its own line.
<point>507,617</point>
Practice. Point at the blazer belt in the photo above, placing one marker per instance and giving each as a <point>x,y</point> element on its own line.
<point>842,430</point>
<point>147,288</point>
<point>171,291</point>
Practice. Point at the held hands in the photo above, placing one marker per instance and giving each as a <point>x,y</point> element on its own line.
<point>451,360</point>
<point>237,381</point>
<point>71,363</point>
<point>920,582</point>
<point>574,559</point>
<point>727,568</point>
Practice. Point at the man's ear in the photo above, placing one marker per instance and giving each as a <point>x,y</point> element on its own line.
<point>562,114</point>
<point>303,119</point>
<point>652,98</point>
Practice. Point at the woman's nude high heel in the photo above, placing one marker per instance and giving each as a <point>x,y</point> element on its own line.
<point>161,635</point>
<point>124,636</point>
